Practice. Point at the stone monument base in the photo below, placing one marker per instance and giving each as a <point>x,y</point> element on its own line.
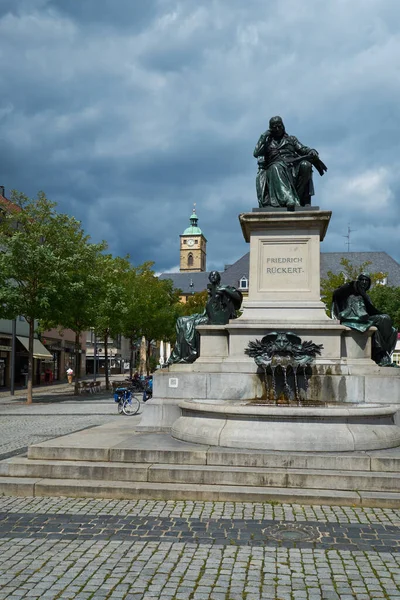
<point>224,373</point>
<point>342,380</point>
<point>289,428</point>
<point>284,296</point>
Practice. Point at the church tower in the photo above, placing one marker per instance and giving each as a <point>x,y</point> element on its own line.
<point>193,247</point>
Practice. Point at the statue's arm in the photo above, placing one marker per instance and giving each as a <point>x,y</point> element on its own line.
<point>261,146</point>
<point>233,292</point>
<point>339,299</point>
<point>312,154</point>
<point>235,295</point>
<point>303,150</point>
<point>370,308</point>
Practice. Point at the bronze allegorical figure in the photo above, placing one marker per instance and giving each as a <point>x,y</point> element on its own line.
<point>353,307</point>
<point>222,304</point>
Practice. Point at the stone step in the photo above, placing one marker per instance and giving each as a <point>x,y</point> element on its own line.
<point>202,475</point>
<point>55,469</point>
<point>270,477</point>
<point>14,486</point>
<point>382,460</point>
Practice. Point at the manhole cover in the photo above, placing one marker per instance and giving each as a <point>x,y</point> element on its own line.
<point>292,532</point>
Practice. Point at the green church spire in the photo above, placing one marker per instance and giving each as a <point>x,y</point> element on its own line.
<point>193,229</point>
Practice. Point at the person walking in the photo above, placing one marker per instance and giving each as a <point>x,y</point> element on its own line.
<point>70,374</point>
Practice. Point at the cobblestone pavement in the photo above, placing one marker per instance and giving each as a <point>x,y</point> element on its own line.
<point>56,548</point>
<point>22,424</point>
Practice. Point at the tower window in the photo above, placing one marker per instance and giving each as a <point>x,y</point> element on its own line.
<point>190,260</point>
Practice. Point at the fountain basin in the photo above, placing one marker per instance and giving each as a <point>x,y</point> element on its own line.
<point>344,428</point>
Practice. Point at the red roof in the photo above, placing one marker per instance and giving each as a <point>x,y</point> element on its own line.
<point>8,205</point>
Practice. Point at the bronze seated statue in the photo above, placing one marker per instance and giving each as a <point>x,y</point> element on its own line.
<point>353,307</point>
<point>222,304</point>
<point>284,177</point>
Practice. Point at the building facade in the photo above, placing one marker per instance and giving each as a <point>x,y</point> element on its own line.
<point>61,345</point>
<point>118,350</point>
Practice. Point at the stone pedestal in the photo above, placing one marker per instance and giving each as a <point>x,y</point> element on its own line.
<point>284,275</point>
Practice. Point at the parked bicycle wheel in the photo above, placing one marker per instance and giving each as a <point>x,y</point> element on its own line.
<point>131,406</point>
<point>119,398</point>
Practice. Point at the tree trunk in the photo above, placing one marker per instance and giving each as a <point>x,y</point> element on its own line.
<point>131,342</point>
<point>142,364</point>
<point>148,350</point>
<point>106,359</point>
<point>77,358</point>
<point>29,397</point>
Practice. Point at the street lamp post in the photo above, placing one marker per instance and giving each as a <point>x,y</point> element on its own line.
<point>13,344</point>
<point>94,356</point>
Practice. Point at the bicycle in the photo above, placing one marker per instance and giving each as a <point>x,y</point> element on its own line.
<point>128,404</point>
<point>137,385</point>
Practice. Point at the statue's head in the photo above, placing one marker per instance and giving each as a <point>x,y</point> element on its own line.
<point>276,127</point>
<point>214,277</point>
<point>364,281</point>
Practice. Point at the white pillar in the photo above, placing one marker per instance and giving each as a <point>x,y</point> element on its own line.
<point>168,352</point>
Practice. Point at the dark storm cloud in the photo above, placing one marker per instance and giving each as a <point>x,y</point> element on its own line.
<point>126,112</point>
<point>134,15</point>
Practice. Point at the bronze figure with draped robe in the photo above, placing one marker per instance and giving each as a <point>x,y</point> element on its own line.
<point>284,177</point>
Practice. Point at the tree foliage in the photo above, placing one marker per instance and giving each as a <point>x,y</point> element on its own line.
<point>387,300</point>
<point>349,272</point>
<point>113,300</point>
<point>152,310</point>
<point>195,303</point>
<point>82,285</point>
<point>38,248</point>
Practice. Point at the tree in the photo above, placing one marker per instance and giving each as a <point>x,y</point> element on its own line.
<point>37,244</point>
<point>132,319</point>
<point>112,305</point>
<point>195,303</point>
<point>83,288</point>
<point>153,308</point>
<point>387,301</point>
<point>160,311</point>
<point>349,272</point>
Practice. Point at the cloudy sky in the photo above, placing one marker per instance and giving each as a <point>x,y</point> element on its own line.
<point>126,112</point>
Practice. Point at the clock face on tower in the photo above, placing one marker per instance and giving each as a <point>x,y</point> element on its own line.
<point>190,242</point>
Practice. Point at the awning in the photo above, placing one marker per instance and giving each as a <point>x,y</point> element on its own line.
<point>39,351</point>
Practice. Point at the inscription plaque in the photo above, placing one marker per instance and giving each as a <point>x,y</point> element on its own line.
<point>284,265</point>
